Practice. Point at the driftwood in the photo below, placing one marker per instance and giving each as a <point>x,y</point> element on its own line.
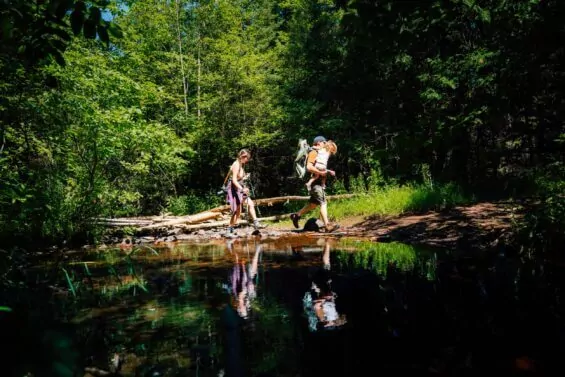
<point>211,218</point>
<point>135,222</point>
<point>123,222</point>
<point>192,219</point>
<point>215,224</point>
<point>281,199</point>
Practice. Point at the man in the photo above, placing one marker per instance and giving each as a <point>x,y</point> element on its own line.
<point>317,191</point>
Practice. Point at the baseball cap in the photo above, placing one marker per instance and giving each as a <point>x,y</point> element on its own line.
<point>319,139</point>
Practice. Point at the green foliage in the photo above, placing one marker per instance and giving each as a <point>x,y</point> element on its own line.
<point>542,230</point>
<point>35,30</point>
<point>433,92</point>
<point>394,200</point>
<point>192,203</point>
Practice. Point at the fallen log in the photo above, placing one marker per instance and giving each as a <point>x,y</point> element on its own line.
<point>123,222</point>
<point>192,219</point>
<point>276,217</point>
<point>213,224</point>
<point>165,221</point>
<point>135,221</point>
<point>280,199</point>
<point>216,224</point>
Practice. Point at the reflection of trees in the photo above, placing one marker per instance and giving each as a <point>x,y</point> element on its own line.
<point>379,256</point>
<point>154,309</point>
<point>270,342</point>
<point>462,319</point>
<point>170,324</point>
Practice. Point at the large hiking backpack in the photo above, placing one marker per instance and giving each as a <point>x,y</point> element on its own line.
<point>301,157</point>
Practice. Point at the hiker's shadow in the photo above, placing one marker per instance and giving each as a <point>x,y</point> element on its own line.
<point>311,225</point>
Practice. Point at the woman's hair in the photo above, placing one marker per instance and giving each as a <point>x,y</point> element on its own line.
<point>331,146</point>
<point>243,152</point>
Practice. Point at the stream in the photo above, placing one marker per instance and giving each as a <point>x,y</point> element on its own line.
<point>296,307</point>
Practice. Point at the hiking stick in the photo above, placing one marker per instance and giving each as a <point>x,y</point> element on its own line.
<point>252,188</point>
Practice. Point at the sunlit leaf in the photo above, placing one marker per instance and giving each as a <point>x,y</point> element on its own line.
<point>115,30</point>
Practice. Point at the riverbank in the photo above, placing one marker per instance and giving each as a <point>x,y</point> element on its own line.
<point>480,225</point>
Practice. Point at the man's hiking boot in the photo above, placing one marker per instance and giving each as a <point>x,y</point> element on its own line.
<point>295,218</point>
<point>332,227</point>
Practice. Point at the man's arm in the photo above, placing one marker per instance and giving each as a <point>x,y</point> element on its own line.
<point>310,164</point>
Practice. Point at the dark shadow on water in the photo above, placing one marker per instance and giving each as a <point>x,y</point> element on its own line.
<point>321,307</point>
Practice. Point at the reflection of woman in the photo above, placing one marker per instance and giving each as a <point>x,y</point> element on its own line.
<point>242,283</point>
<point>238,192</point>
<point>320,301</point>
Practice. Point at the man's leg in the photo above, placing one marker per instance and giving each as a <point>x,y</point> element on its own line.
<point>317,198</point>
<point>295,217</point>
<point>307,208</point>
<point>324,213</point>
<point>321,196</point>
<point>326,255</point>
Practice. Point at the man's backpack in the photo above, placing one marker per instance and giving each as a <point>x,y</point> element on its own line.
<point>301,157</point>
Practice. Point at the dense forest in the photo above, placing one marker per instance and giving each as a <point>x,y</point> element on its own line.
<point>122,108</point>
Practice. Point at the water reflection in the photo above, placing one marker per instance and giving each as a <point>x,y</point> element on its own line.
<point>269,307</point>
<point>319,301</point>
<point>243,279</point>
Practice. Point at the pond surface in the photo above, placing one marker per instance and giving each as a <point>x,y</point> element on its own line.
<point>297,307</point>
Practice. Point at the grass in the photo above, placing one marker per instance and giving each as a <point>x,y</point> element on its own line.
<point>395,200</point>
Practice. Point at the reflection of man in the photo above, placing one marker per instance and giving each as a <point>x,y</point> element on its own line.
<point>320,301</point>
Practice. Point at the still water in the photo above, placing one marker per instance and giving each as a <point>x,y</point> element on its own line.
<point>298,307</point>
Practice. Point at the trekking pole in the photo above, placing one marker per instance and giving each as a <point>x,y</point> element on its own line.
<point>252,188</point>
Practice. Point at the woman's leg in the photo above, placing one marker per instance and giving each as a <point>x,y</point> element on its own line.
<point>235,217</point>
<point>251,209</point>
<point>252,214</point>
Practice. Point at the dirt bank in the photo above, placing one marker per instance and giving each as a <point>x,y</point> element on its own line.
<point>477,226</point>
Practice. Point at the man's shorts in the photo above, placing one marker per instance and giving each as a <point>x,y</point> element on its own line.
<point>317,194</point>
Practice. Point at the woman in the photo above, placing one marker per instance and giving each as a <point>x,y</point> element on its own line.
<point>238,192</point>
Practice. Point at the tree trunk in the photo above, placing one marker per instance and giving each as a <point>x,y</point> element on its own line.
<point>184,82</point>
